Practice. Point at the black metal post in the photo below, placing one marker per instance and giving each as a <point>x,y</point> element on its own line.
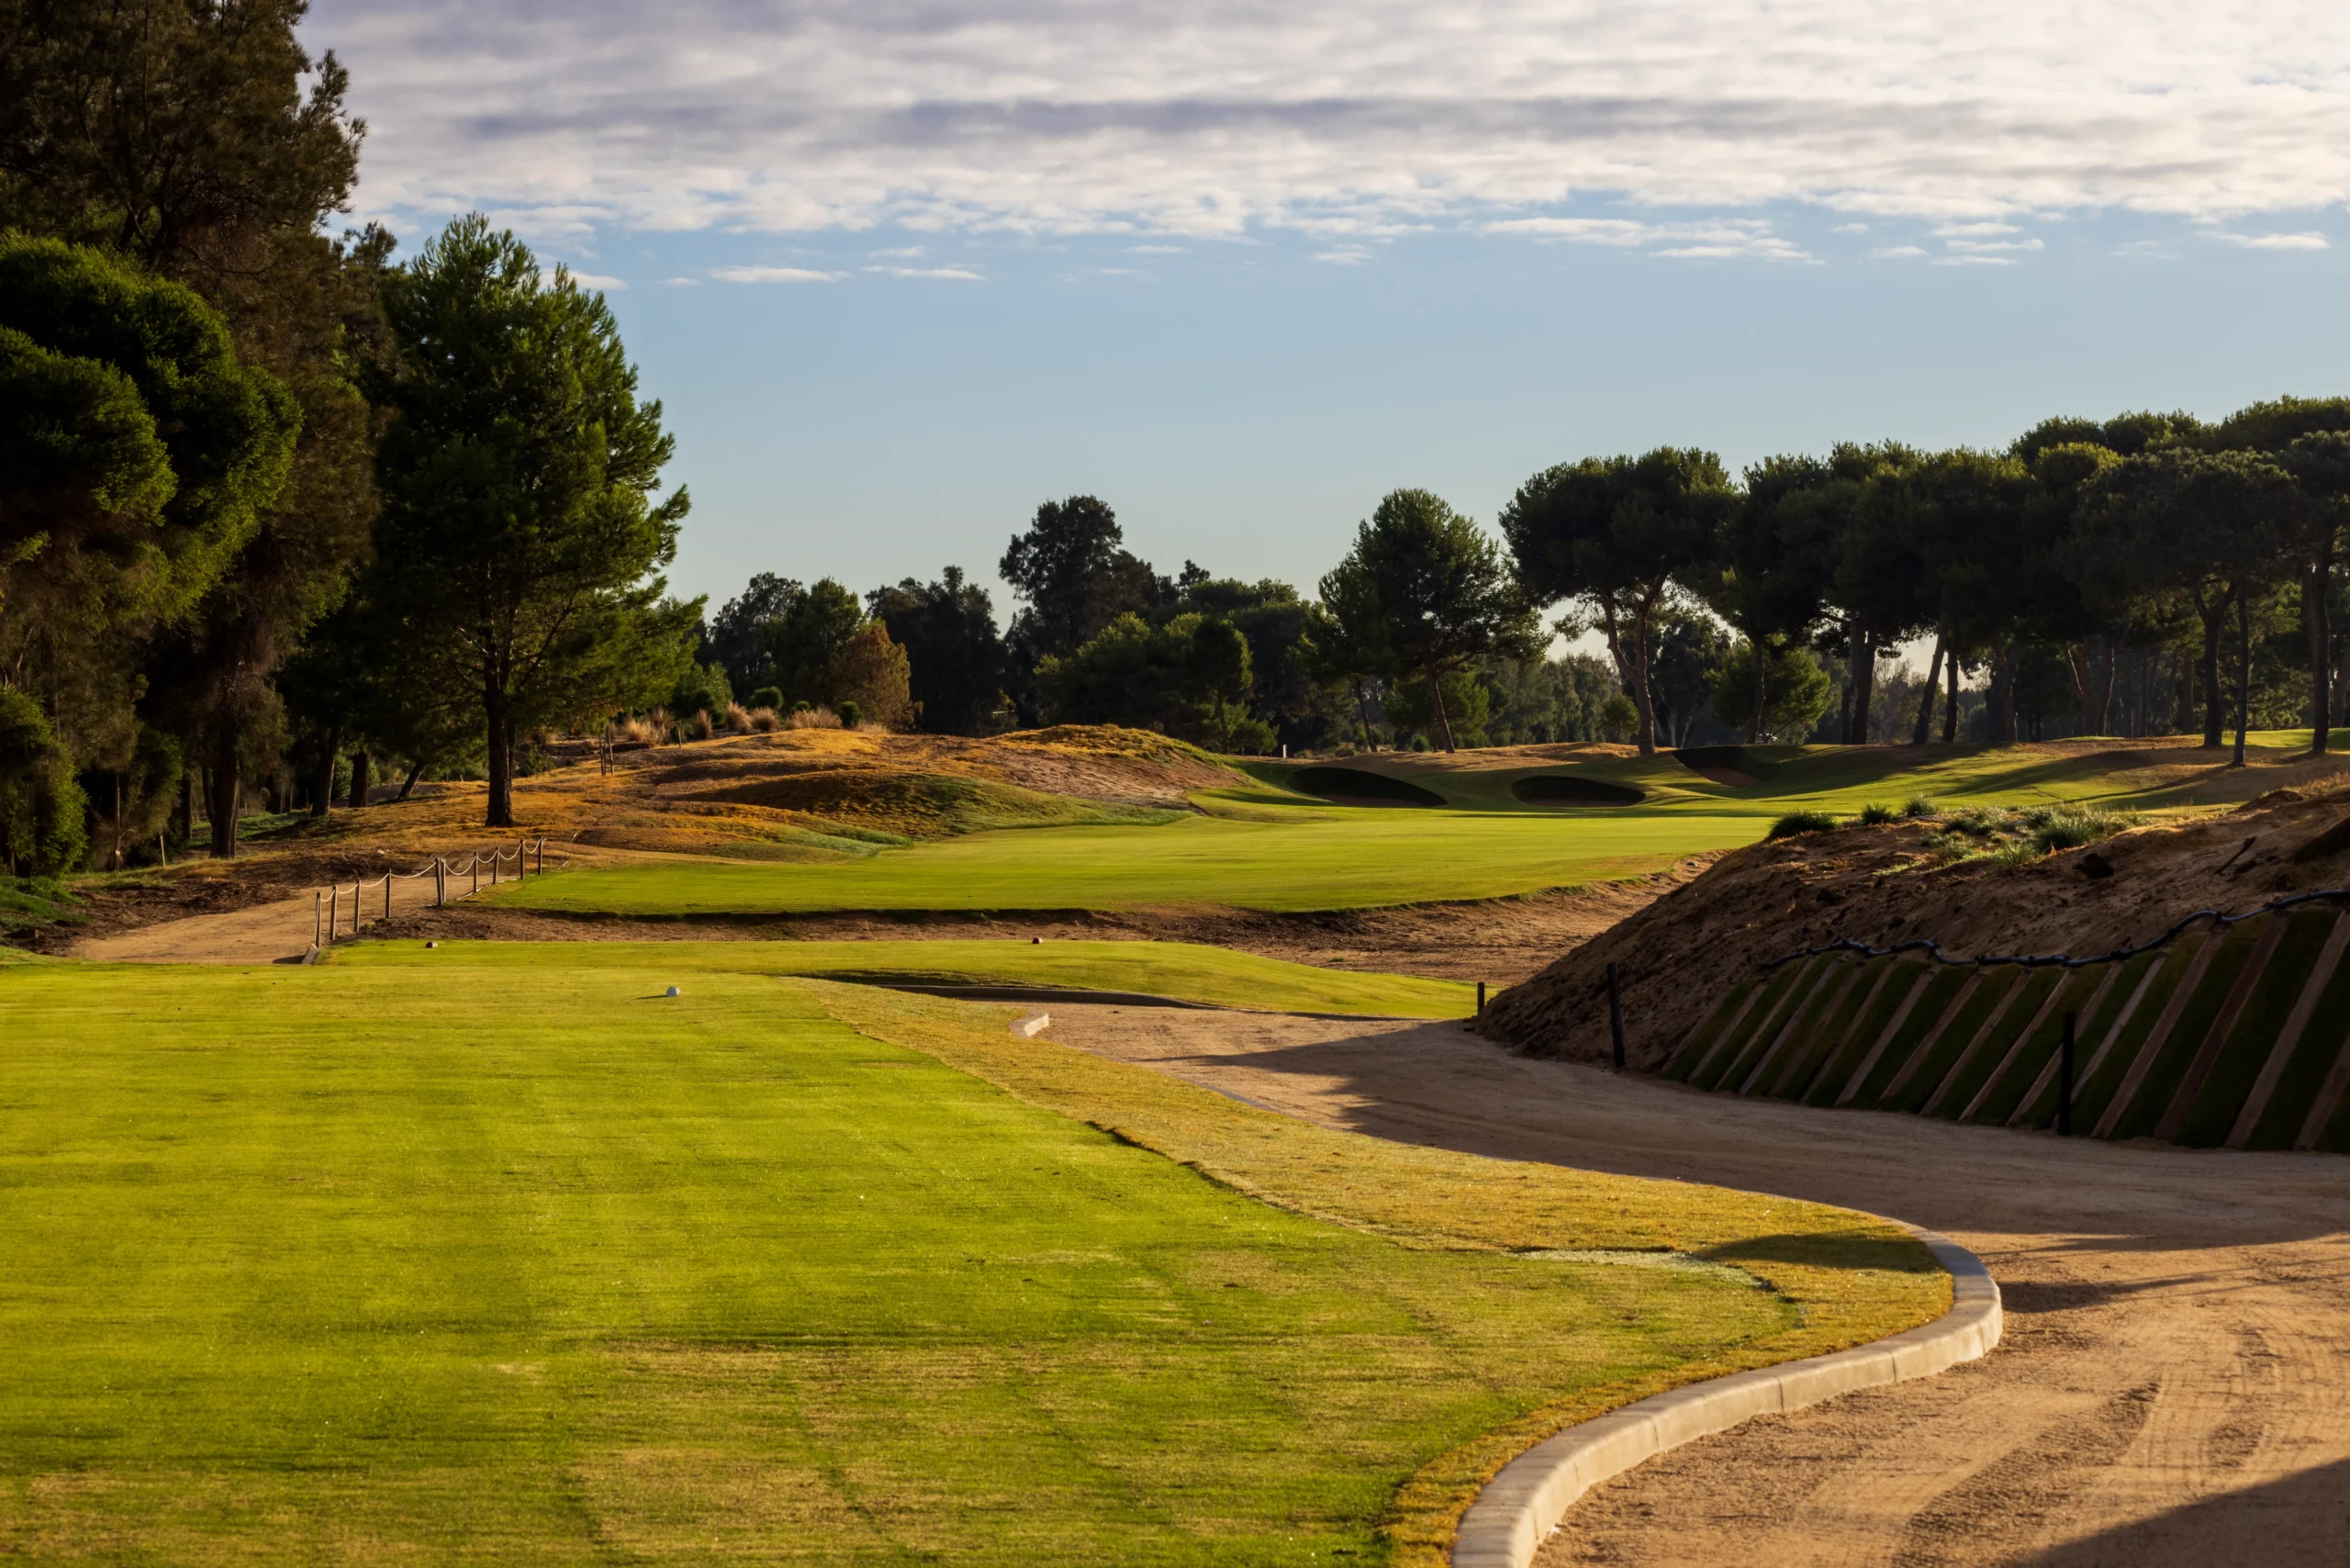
<point>1481,998</point>
<point>1616,1015</point>
<point>2064,1078</point>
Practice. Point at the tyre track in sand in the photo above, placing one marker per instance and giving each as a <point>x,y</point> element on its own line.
<point>2172,1390</point>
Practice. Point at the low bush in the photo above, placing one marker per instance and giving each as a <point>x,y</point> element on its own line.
<point>803,717</point>
<point>1796,823</point>
<point>763,719</point>
<point>698,727</point>
<point>767,697</point>
<point>1920,808</point>
<point>1874,815</point>
<point>850,715</point>
<point>737,718</point>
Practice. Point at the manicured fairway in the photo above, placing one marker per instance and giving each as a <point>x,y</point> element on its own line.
<point>1184,970</point>
<point>511,1259</point>
<point>1285,860</point>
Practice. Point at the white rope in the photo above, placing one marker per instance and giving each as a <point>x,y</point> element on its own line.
<point>332,897</point>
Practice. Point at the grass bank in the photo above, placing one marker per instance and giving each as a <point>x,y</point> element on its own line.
<point>512,1259</point>
<point>1184,970</point>
<point>1277,860</point>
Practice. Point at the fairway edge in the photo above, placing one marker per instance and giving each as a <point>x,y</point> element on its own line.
<point>1522,1505</point>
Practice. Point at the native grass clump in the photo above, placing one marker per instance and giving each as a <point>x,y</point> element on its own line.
<point>2017,835</point>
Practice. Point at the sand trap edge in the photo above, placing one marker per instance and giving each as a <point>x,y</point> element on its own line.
<point>1520,1507</point>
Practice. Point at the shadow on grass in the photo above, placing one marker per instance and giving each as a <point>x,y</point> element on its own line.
<point>1828,1249</point>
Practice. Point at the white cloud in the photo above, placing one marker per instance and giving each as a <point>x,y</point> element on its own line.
<point>1156,249</point>
<point>681,283</point>
<point>597,280</point>
<point>1346,256</point>
<point>1974,260</point>
<point>2308,242</point>
<point>1897,253</point>
<point>1992,247</point>
<point>1850,229</point>
<point>1339,119</point>
<point>1707,239</point>
<point>963,274</point>
<point>772,274</point>
<point>1973,230</point>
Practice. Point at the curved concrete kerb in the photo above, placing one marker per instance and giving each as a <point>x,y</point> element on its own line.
<point>1524,1504</point>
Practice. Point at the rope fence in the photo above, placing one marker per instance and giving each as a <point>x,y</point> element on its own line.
<point>1933,949</point>
<point>528,857</point>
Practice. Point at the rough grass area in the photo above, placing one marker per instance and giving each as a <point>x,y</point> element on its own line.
<point>29,903</point>
<point>1332,859</point>
<point>522,1263</point>
<point>929,805</point>
<point>1184,970</point>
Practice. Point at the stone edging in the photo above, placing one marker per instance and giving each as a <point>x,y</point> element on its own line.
<point>1520,1507</point>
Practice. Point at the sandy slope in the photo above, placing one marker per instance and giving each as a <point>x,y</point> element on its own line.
<point>2174,1391</point>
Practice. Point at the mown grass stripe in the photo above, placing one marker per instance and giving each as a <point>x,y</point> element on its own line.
<point>1824,998</point>
<point>2024,993</point>
<point>2182,974</point>
<point>1952,989</point>
<point>1931,1064</point>
<point>2288,1039</point>
<point>1728,1015</point>
<point>1842,1078</point>
<point>2004,1086</point>
<point>2140,1112</point>
<point>2192,1082</point>
<point>1791,1006</point>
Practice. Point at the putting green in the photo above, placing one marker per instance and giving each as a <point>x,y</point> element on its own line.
<point>511,1259</point>
<point>1322,859</point>
<point>1184,970</point>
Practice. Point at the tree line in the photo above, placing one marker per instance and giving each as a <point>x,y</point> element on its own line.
<point>278,511</point>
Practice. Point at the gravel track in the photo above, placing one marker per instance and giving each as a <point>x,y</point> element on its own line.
<point>2174,1390</point>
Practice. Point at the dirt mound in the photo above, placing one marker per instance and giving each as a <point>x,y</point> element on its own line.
<point>924,805</point>
<point>1678,957</point>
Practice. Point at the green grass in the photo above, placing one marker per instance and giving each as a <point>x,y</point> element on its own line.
<point>511,1259</point>
<point>1325,859</point>
<point>1184,970</point>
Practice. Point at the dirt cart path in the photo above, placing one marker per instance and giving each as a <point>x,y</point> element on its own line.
<point>2174,1390</point>
<point>261,935</point>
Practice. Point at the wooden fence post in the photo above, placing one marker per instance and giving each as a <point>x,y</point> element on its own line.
<point>387,895</point>
<point>318,918</point>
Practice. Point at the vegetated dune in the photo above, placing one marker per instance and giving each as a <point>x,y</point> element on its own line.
<point>2186,1034</point>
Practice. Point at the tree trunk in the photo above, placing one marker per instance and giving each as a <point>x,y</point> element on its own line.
<point>322,800</point>
<point>2244,671</point>
<point>2000,699</point>
<point>1362,710</point>
<point>1436,707</point>
<point>1949,710</point>
<point>2105,688</point>
<point>361,766</point>
<point>183,815</point>
<point>1641,696</point>
<point>1933,688</point>
<point>2315,618</point>
<point>1863,679</point>
<point>2214,709</point>
<point>408,785</point>
<point>1761,662</point>
<point>502,755</point>
<point>226,792</point>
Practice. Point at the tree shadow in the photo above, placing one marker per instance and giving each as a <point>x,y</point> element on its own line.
<point>2300,1518</point>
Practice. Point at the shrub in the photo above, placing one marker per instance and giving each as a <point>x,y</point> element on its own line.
<point>2052,828</point>
<point>803,717</point>
<point>850,714</point>
<point>767,697</point>
<point>1918,807</point>
<point>1876,816</point>
<point>1797,822</point>
<point>698,727</point>
<point>41,804</point>
<point>763,719</point>
<point>738,718</point>
<point>663,729</point>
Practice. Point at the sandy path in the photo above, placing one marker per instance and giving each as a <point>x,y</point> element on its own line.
<point>2174,1391</point>
<point>266,933</point>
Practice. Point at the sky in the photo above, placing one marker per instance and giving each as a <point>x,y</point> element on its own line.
<point>898,270</point>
